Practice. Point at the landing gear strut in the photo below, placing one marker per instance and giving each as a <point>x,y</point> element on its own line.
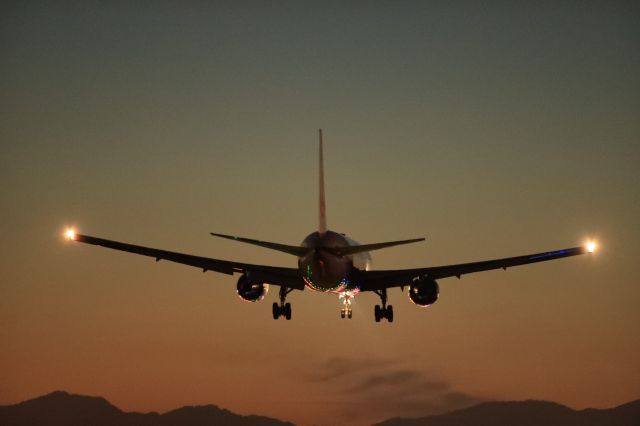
<point>384,311</point>
<point>283,309</point>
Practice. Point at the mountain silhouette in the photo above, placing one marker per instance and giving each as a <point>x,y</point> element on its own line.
<point>527,413</point>
<point>64,409</point>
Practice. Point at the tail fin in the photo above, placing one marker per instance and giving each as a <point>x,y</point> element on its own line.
<point>322,216</point>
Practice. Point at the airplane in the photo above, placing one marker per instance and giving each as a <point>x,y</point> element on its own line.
<point>330,262</point>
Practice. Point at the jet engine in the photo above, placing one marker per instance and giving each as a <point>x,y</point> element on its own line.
<point>424,291</point>
<point>251,292</point>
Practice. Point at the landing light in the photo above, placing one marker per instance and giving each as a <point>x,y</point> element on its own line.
<point>591,246</point>
<point>70,234</point>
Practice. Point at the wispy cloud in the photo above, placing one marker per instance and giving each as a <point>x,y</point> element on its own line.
<point>339,367</point>
<point>387,389</point>
<point>409,380</point>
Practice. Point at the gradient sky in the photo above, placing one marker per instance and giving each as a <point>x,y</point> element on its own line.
<point>493,129</point>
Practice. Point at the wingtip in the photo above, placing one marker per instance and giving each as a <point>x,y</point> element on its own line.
<point>70,234</point>
<point>229,237</point>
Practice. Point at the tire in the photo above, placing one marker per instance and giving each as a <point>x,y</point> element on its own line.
<point>349,314</point>
<point>377,313</point>
<point>287,311</point>
<point>390,313</point>
<point>276,311</point>
<point>342,314</point>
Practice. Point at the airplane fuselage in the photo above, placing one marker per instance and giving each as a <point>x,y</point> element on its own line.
<point>322,270</point>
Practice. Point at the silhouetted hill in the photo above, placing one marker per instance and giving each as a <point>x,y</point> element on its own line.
<point>210,414</point>
<point>63,409</point>
<point>528,413</point>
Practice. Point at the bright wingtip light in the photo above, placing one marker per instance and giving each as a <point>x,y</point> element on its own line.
<point>591,246</point>
<point>70,234</point>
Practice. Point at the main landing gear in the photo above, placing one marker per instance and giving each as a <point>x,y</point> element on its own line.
<point>384,311</point>
<point>283,309</point>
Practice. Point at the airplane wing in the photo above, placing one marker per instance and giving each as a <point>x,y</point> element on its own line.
<point>286,277</point>
<point>379,280</point>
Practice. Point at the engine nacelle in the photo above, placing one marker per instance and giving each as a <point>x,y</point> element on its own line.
<point>251,292</point>
<point>424,291</point>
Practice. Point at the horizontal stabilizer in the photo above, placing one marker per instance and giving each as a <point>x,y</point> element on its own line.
<point>344,251</point>
<point>294,250</point>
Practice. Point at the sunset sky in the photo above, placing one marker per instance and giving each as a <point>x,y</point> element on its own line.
<point>491,128</point>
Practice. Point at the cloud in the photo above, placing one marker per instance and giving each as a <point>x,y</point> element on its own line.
<point>387,389</point>
<point>408,380</point>
<point>338,367</point>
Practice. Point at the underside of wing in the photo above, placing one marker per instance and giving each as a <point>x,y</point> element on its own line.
<point>286,277</point>
<point>378,280</point>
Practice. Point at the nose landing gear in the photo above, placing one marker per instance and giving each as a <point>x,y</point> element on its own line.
<point>283,309</point>
<point>346,311</point>
<point>384,311</point>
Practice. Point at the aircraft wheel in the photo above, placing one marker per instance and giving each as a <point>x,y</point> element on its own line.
<point>377,313</point>
<point>349,314</point>
<point>276,311</point>
<point>287,311</point>
<point>390,313</point>
<point>342,313</point>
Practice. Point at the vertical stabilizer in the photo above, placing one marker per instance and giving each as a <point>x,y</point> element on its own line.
<point>322,216</point>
